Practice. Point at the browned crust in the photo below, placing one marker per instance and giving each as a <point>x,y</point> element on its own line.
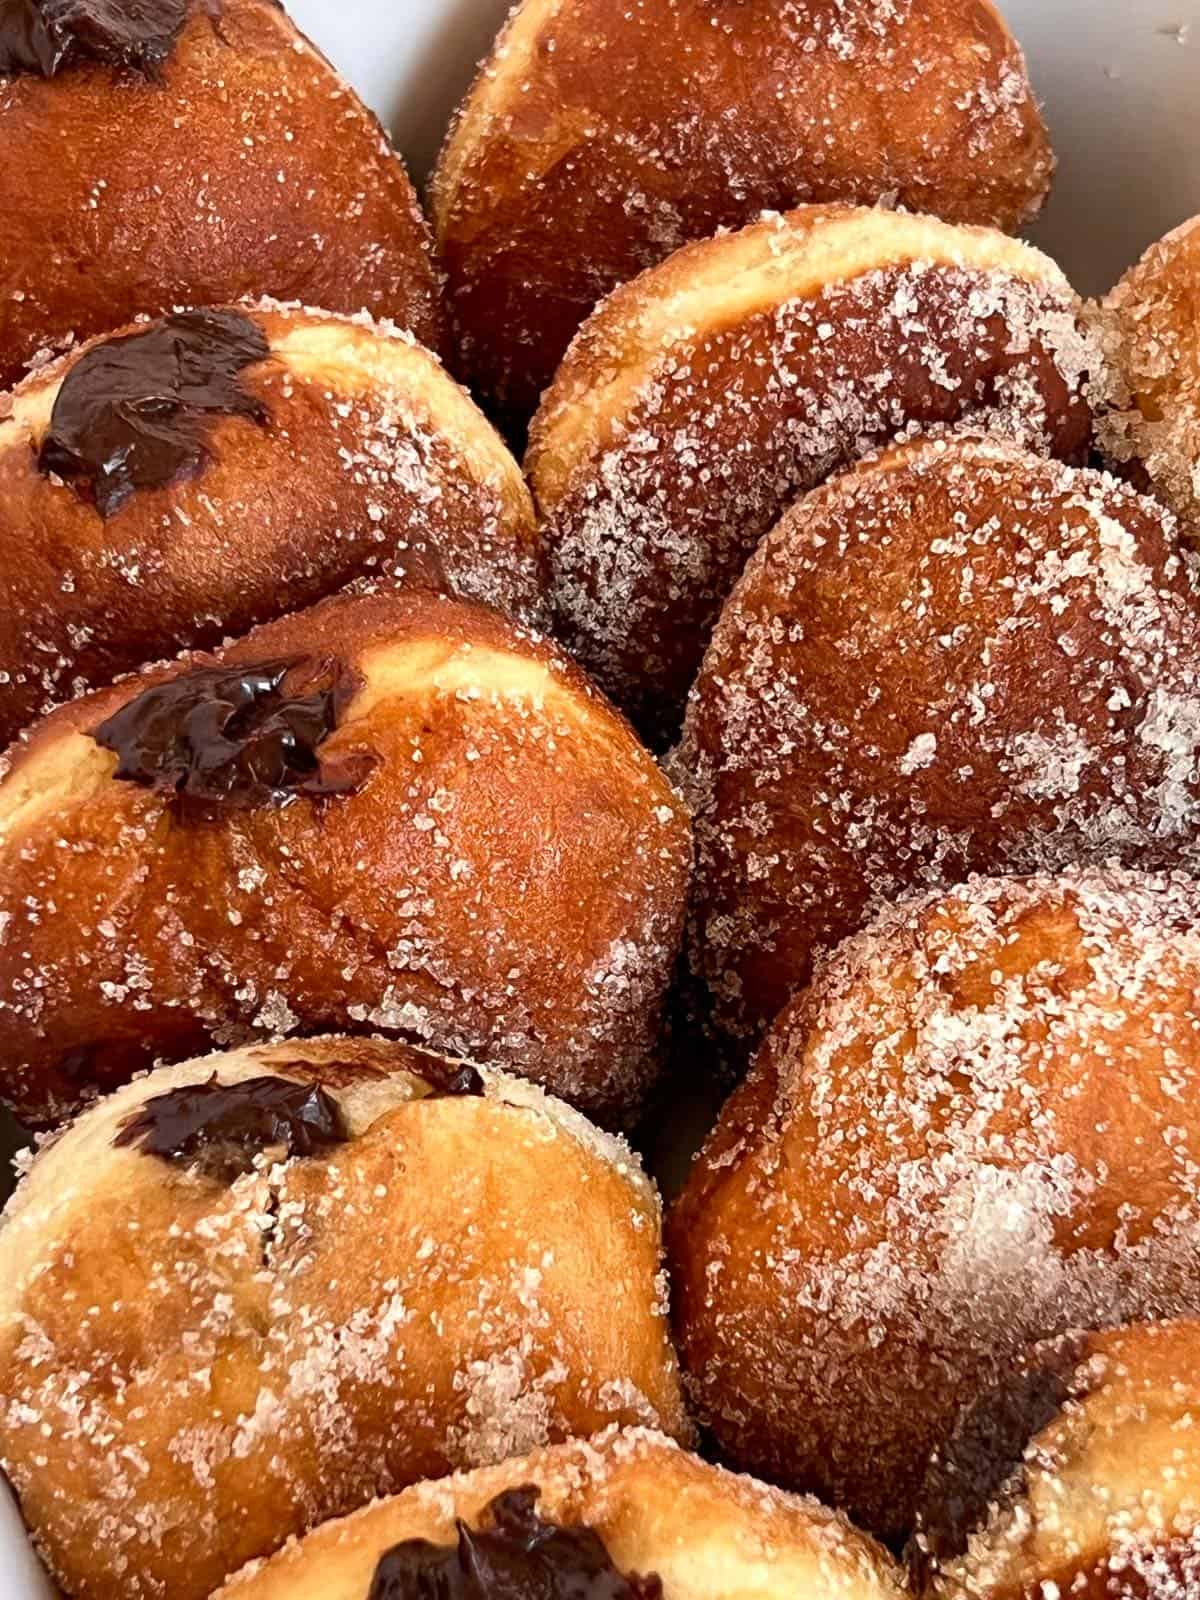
<point>974,1130</point>
<point>218,1365</point>
<point>1149,424</point>
<point>508,883</point>
<point>702,398</point>
<point>246,167</point>
<point>601,136</point>
<point>1106,1496</point>
<point>955,658</point>
<point>372,465</point>
<point>707,1534</point>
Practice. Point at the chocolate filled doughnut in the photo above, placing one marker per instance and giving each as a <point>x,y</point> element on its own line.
<point>253,1291</point>
<point>955,658</point>
<point>397,813</point>
<point>181,481</point>
<point>977,1128</point>
<point>625,1516</point>
<point>1079,1474</point>
<point>1150,424</point>
<point>600,136</point>
<point>190,152</point>
<point>702,398</point>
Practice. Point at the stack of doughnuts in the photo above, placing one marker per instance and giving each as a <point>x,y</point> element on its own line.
<point>353,942</point>
<point>395,812</point>
<point>975,1129</point>
<point>701,398</point>
<point>600,136</point>
<point>147,502</point>
<point>250,1292</point>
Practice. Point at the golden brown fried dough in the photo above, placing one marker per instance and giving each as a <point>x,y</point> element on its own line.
<point>190,152</point>
<point>1079,1474</point>
<point>248,1293</point>
<point>702,398</point>
<point>1151,325</point>
<point>397,813</point>
<point>655,1511</point>
<point>183,480</point>
<point>976,1129</point>
<point>955,658</point>
<point>602,135</point>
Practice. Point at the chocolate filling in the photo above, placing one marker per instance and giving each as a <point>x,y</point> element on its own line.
<point>47,36</point>
<point>219,1128</point>
<point>515,1556</point>
<point>982,1467</point>
<point>239,736</point>
<point>135,412</point>
<point>449,1082</point>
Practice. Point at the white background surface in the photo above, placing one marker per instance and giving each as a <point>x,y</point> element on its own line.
<point>1121,83</point>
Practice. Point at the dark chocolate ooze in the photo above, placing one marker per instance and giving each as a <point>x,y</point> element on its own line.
<point>514,1556</point>
<point>982,1467</point>
<point>135,412</point>
<point>48,36</point>
<point>220,1129</point>
<point>446,1080</point>
<point>240,736</point>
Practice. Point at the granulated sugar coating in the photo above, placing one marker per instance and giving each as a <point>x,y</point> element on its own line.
<point>1101,1493</point>
<point>705,1534</point>
<point>240,165</point>
<point>956,658</point>
<point>479,857</point>
<point>402,480</point>
<point>195,1366</point>
<point>1151,421</point>
<point>977,1128</point>
<point>702,398</point>
<point>603,134</point>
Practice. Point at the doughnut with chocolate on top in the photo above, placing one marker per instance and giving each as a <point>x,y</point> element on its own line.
<point>173,153</point>
<point>251,1292</point>
<point>627,1515</point>
<point>603,134</point>
<point>978,1127</point>
<point>701,399</point>
<point>394,812</point>
<point>183,480</point>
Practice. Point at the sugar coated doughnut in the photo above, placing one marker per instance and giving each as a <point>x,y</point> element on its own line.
<point>955,658</point>
<point>190,152</point>
<point>600,136</point>
<point>250,1292</point>
<point>1078,1474</point>
<point>977,1128</point>
<point>1151,324</point>
<point>700,399</point>
<point>398,813</point>
<point>185,479</point>
<point>625,1516</point>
